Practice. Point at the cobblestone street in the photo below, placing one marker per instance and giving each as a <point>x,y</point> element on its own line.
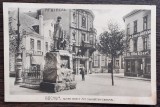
<point>96,84</point>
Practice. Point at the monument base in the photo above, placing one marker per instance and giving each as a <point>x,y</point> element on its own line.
<point>56,87</point>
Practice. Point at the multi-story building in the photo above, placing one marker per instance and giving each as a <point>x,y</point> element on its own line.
<point>36,40</point>
<point>138,35</point>
<point>101,61</point>
<point>79,30</point>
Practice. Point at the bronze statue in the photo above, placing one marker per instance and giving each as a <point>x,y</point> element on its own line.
<point>58,33</point>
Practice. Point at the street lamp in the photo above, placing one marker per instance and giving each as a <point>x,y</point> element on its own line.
<point>18,78</point>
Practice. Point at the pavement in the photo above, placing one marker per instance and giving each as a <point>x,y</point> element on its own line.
<point>121,75</point>
<point>99,84</point>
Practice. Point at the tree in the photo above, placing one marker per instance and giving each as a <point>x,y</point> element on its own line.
<point>112,43</point>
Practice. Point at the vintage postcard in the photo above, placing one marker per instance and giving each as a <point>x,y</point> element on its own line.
<point>80,53</point>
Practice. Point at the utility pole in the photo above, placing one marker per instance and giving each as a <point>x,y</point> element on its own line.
<point>18,78</point>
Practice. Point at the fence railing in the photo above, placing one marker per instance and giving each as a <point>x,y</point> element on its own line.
<point>32,77</point>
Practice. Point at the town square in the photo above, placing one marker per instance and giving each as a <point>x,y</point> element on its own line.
<point>60,51</point>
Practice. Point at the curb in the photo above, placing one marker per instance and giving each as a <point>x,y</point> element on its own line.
<point>144,79</point>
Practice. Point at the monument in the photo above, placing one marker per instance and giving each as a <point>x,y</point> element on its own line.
<point>58,70</point>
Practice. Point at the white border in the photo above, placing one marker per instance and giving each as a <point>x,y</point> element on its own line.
<point>115,99</point>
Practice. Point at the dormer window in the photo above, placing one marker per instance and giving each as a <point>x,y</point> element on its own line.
<point>36,28</point>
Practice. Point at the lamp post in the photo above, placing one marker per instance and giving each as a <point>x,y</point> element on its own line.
<point>18,78</point>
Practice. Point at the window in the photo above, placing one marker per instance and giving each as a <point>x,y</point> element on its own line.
<point>128,29</point>
<point>135,45</point>
<point>47,10</point>
<point>83,37</point>
<point>74,36</point>
<point>145,22</point>
<point>46,46</point>
<point>103,60</point>
<point>74,48</point>
<point>87,37</point>
<point>91,39</point>
<point>32,44</point>
<point>135,26</point>
<point>50,33</point>
<point>95,60</point>
<point>38,45</point>
<point>144,43</point>
<point>117,62</point>
<point>91,23</point>
<point>84,21</point>
<point>74,17</point>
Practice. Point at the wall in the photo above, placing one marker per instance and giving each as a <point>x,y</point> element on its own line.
<point>48,34</point>
<point>139,17</point>
<point>28,48</point>
<point>54,13</point>
<point>102,63</point>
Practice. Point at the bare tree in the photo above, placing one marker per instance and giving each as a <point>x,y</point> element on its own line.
<point>112,43</point>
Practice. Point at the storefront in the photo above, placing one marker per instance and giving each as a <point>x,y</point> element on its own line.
<point>138,66</point>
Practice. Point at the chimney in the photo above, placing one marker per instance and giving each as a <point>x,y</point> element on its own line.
<point>41,25</point>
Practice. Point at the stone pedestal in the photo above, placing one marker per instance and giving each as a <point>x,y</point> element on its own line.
<point>55,75</point>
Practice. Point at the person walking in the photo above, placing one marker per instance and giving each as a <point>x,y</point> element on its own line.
<point>82,72</point>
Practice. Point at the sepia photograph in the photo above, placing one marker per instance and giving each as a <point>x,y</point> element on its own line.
<point>81,53</point>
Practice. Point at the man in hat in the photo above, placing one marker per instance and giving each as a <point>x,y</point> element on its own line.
<point>58,33</point>
<point>82,72</point>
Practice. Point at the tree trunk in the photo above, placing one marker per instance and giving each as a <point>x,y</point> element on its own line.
<point>112,71</point>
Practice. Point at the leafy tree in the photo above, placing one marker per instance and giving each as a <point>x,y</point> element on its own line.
<point>13,39</point>
<point>112,43</point>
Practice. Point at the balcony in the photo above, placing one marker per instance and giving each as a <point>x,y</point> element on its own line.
<point>142,33</point>
<point>93,30</point>
<point>87,44</point>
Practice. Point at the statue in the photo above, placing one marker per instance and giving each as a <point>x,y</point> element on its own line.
<point>63,43</point>
<point>58,33</point>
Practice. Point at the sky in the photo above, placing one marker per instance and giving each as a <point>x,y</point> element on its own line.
<point>102,17</point>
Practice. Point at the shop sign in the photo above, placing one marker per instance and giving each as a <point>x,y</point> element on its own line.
<point>35,53</point>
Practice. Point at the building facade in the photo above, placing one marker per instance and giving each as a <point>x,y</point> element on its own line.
<point>79,31</point>
<point>101,61</point>
<point>138,36</point>
<point>36,39</point>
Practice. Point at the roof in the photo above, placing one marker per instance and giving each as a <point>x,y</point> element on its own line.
<point>26,22</point>
<point>131,13</point>
<point>50,21</point>
<point>32,14</point>
<point>89,11</point>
